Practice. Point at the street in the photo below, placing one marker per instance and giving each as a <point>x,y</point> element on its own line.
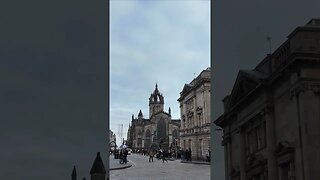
<point>171,170</point>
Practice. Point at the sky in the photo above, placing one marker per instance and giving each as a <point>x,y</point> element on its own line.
<point>163,42</point>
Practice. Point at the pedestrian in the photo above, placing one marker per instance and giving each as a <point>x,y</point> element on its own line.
<point>125,155</point>
<point>187,154</point>
<point>183,155</point>
<point>121,157</point>
<point>163,155</point>
<point>190,159</point>
<point>151,154</point>
<point>158,154</point>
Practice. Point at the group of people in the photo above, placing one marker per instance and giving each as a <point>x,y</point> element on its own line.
<point>160,154</point>
<point>186,154</point>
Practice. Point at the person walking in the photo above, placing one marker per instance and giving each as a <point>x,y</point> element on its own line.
<point>183,156</point>
<point>121,156</point>
<point>125,155</point>
<point>163,155</point>
<point>187,155</point>
<point>151,154</point>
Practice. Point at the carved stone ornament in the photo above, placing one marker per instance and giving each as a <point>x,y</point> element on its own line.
<point>303,87</point>
<point>284,152</point>
<point>190,114</point>
<point>235,172</point>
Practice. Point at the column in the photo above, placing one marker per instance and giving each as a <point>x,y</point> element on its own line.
<point>308,102</point>
<point>272,165</point>
<point>242,153</point>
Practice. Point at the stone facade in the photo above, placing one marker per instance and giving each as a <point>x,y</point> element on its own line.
<point>112,140</point>
<point>271,119</point>
<point>195,115</point>
<point>159,131</point>
<point>112,137</point>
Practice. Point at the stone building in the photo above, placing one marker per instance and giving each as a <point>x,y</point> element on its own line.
<point>271,119</point>
<point>112,137</point>
<point>157,131</point>
<point>195,115</point>
<point>112,140</point>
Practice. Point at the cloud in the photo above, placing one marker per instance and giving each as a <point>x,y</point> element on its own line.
<point>164,42</point>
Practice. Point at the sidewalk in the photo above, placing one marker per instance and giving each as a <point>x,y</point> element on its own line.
<point>115,165</point>
<point>191,162</point>
<point>196,162</point>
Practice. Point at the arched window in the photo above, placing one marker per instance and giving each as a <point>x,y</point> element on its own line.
<point>148,139</point>
<point>162,133</point>
<point>161,129</point>
<point>174,135</point>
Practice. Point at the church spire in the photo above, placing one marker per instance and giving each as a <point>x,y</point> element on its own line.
<point>140,115</point>
<point>74,173</point>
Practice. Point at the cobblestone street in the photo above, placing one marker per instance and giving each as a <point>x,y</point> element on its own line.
<point>173,170</point>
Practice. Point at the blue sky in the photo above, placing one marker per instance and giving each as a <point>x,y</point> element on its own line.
<point>167,42</point>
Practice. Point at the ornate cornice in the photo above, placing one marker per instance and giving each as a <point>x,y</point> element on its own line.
<point>304,86</point>
<point>268,108</point>
<point>284,152</point>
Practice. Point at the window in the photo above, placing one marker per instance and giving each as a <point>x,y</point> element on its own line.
<point>201,147</point>
<point>189,104</point>
<point>148,139</point>
<point>139,142</point>
<point>284,171</point>
<point>174,135</point>
<point>256,138</point>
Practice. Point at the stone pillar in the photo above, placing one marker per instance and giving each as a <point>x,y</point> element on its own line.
<point>272,165</point>
<point>308,101</point>
<point>242,154</point>
<point>226,165</point>
<point>228,153</point>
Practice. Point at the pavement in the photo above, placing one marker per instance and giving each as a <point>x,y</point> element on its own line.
<point>196,162</point>
<point>190,162</point>
<point>142,169</point>
<point>115,165</point>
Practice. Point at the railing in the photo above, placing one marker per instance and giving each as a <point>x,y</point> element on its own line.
<point>281,55</point>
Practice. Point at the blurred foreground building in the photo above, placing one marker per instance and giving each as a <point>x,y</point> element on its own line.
<point>271,119</point>
<point>195,115</point>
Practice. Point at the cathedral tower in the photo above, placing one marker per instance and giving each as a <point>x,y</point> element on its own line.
<point>156,102</point>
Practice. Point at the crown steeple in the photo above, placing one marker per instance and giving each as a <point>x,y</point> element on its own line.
<point>156,96</point>
<point>156,102</point>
